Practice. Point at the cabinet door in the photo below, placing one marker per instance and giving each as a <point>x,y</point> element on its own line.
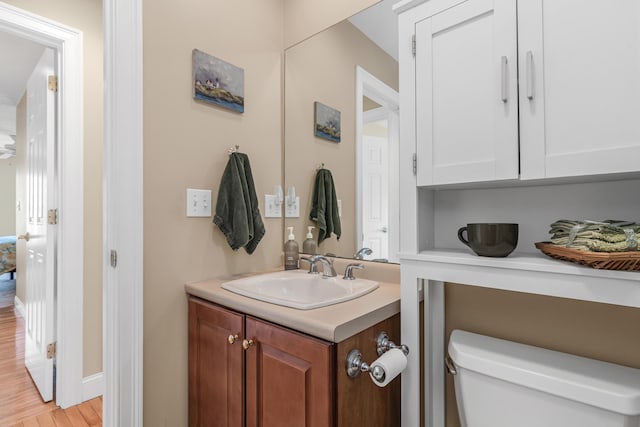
<point>289,378</point>
<point>466,94</point>
<point>580,86</point>
<point>215,366</point>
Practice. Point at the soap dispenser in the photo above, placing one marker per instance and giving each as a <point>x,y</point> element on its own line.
<point>309,245</point>
<point>291,252</point>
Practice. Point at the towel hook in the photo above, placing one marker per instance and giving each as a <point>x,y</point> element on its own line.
<point>320,166</point>
<point>232,150</point>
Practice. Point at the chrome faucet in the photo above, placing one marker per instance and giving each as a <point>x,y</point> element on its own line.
<point>348,271</point>
<point>327,265</point>
<point>362,252</point>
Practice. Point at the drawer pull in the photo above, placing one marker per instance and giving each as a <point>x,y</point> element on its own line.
<point>233,338</point>
<point>247,343</point>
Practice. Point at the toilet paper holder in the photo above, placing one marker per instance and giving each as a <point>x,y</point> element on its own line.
<point>355,364</point>
<point>384,344</point>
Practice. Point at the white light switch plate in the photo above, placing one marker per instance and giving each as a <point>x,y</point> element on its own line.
<point>293,210</point>
<point>272,209</point>
<point>198,203</point>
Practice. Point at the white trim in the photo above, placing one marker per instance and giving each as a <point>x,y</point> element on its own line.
<point>69,316</point>
<point>92,386</point>
<point>373,88</point>
<point>19,306</point>
<point>374,115</point>
<point>405,5</point>
<point>123,219</point>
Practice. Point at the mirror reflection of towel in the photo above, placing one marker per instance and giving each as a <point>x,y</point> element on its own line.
<point>324,208</point>
<point>237,212</point>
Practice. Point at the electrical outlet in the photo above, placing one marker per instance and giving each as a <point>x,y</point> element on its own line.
<point>198,203</point>
<point>272,209</point>
<point>292,210</point>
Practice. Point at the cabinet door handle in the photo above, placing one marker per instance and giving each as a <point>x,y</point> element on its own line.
<point>529,74</point>
<point>247,343</point>
<point>233,338</point>
<point>503,79</point>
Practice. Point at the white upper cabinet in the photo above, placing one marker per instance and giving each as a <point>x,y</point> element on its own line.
<point>529,89</point>
<point>579,87</point>
<point>466,94</point>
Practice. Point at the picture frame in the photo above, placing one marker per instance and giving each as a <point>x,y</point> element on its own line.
<point>326,122</point>
<point>217,82</point>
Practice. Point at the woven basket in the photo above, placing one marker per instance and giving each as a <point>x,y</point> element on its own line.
<point>628,261</point>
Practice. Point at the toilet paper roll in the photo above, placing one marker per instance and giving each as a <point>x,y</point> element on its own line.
<point>392,363</point>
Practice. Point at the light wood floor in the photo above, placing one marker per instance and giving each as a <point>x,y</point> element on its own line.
<point>20,402</point>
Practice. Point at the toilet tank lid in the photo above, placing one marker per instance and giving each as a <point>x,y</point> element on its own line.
<point>605,385</point>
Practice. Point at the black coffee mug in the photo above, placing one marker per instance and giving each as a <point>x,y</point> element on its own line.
<point>490,239</point>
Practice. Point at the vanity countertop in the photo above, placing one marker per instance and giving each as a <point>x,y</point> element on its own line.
<point>333,323</point>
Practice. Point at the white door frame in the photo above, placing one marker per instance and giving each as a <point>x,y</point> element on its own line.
<point>123,219</point>
<point>69,246</point>
<point>373,88</point>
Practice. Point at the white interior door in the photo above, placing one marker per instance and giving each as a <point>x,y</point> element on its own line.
<point>40,245</point>
<point>375,194</point>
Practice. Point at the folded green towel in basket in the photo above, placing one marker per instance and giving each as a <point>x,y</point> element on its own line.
<point>597,236</point>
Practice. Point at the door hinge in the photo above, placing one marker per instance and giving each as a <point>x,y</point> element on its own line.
<point>53,83</point>
<point>51,350</point>
<point>415,164</point>
<point>413,45</point>
<point>52,216</point>
<point>114,258</point>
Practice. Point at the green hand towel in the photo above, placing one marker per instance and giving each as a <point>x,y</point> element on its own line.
<point>324,207</point>
<point>237,212</point>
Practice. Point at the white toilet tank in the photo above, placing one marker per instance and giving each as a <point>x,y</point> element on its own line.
<point>505,384</point>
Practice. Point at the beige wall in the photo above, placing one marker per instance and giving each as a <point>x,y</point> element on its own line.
<point>7,197</point>
<point>598,331</point>
<point>86,15</point>
<point>304,18</point>
<point>185,146</point>
<point>322,68</point>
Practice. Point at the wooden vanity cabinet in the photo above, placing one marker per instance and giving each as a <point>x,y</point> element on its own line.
<point>216,369</point>
<point>282,378</point>
<point>289,378</point>
<point>359,402</point>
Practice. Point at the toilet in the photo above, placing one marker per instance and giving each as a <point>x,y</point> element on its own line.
<point>501,383</point>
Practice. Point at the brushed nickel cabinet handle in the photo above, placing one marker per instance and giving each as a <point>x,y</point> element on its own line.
<point>503,79</point>
<point>529,75</point>
<point>26,236</point>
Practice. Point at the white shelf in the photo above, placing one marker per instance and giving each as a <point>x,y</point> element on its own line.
<point>530,273</point>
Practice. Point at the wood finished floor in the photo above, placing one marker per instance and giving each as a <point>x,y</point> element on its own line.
<point>20,402</point>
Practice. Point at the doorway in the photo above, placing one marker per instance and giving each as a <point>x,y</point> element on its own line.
<point>66,43</point>
<point>377,163</point>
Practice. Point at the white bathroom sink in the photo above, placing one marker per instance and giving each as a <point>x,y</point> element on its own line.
<point>299,289</point>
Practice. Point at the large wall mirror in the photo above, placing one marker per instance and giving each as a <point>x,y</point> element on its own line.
<point>350,67</point>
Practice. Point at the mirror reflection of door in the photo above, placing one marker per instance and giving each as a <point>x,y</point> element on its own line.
<point>377,219</point>
<point>375,186</point>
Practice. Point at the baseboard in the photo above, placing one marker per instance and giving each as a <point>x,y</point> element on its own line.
<point>19,306</point>
<point>92,386</point>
